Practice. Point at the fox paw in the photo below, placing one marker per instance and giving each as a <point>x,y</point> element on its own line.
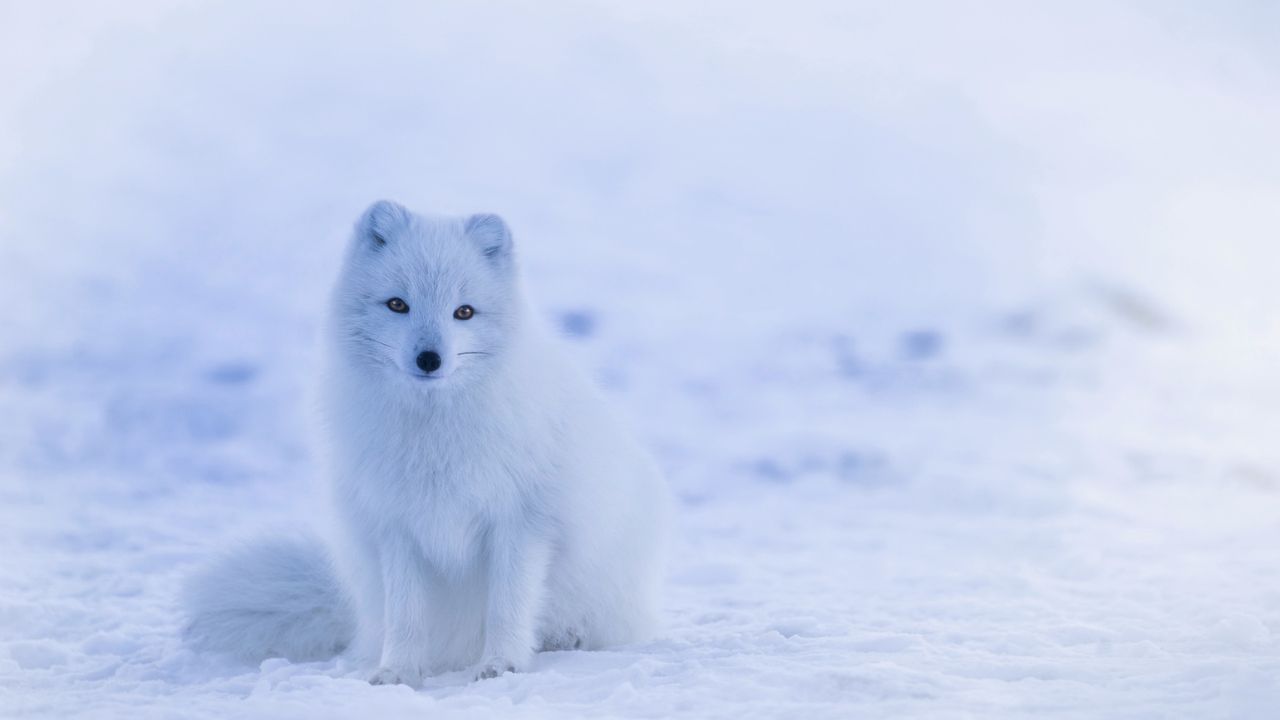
<point>493,668</point>
<point>563,640</point>
<point>391,676</point>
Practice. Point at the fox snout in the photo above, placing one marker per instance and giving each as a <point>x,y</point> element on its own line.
<point>428,361</point>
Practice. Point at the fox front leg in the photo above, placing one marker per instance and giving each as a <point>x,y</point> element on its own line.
<point>404,639</point>
<point>517,574</point>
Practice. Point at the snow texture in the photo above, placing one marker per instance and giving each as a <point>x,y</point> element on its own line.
<point>954,326</point>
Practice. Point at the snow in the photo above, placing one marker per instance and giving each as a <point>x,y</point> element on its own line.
<point>952,326</point>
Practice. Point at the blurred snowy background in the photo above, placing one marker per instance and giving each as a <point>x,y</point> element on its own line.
<point>953,324</point>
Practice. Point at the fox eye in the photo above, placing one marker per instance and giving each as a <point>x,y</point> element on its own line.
<point>398,305</point>
<point>464,312</point>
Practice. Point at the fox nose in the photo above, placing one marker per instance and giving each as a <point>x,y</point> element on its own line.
<point>429,361</point>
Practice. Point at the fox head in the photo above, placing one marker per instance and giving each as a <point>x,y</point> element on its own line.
<point>430,300</point>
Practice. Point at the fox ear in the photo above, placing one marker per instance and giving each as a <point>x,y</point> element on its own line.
<point>380,223</point>
<point>493,236</point>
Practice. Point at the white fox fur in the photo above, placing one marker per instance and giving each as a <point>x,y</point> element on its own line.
<point>486,509</point>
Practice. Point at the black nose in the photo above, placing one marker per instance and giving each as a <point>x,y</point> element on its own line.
<point>429,361</point>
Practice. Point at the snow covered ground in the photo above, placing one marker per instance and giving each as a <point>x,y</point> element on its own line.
<point>953,324</point>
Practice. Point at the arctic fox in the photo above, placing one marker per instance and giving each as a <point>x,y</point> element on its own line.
<point>487,504</point>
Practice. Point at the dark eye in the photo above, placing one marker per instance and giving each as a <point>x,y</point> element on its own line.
<point>464,312</point>
<point>398,305</point>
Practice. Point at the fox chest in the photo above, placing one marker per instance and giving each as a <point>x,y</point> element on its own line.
<point>448,537</point>
<point>447,495</point>
<point>450,508</point>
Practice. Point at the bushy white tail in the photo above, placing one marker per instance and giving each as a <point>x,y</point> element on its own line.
<point>277,598</point>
